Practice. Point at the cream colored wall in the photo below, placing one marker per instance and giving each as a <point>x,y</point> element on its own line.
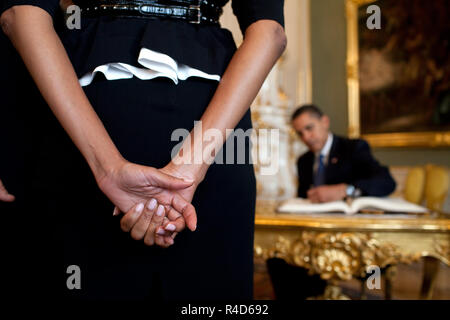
<point>295,65</point>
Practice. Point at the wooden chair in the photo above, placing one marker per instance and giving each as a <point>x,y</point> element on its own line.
<point>424,185</point>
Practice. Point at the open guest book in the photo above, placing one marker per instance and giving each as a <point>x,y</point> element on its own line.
<point>362,204</point>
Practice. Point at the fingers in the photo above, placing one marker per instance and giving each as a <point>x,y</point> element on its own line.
<point>175,221</point>
<point>139,230</point>
<point>148,222</point>
<point>172,224</point>
<point>4,194</point>
<point>164,238</point>
<point>187,210</point>
<point>160,179</point>
<point>164,241</point>
<point>143,222</point>
<point>131,217</point>
<point>169,240</point>
<point>156,221</point>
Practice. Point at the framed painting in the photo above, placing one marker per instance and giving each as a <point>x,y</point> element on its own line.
<point>398,74</point>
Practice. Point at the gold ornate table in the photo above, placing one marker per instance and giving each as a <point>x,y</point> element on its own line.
<point>342,247</point>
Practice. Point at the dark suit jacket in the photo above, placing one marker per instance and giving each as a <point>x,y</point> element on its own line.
<point>350,161</point>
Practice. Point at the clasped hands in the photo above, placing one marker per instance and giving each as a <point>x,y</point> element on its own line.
<point>155,202</point>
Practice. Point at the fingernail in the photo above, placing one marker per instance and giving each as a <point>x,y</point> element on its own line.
<point>170,227</point>
<point>171,241</point>
<point>160,211</point>
<point>152,204</point>
<point>140,207</point>
<point>161,232</point>
<point>115,212</point>
<point>188,180</point>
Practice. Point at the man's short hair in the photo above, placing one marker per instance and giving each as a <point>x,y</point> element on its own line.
<point>310,108</point>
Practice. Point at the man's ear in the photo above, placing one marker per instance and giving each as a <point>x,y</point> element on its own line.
<point>325,121</point>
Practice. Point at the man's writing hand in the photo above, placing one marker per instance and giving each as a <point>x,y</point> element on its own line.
<point>327,193</point>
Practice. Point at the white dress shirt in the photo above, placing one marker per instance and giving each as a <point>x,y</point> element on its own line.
<point>155,64</point>
<point>325,152</point>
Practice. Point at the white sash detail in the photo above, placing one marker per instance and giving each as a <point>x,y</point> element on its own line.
<point>155,64</point>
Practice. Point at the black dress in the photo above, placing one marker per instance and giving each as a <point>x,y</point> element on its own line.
<point>215,261</point>
<point>13,148</point>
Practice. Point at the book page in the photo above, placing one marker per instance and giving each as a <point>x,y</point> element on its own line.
<point>387,205</point>
<point>300,205</point>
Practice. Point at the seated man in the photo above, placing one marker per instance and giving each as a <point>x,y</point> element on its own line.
<point>334,168</point>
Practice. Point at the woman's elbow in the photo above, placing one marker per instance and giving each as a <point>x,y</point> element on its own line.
<point>270,31</point>
<point>276,35</point>
<point>7,20</point>
<point>280,38</point>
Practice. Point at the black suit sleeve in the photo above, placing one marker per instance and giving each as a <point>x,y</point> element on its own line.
<point>249,11</point>
<point>51,6</point>
<point>372,178</point>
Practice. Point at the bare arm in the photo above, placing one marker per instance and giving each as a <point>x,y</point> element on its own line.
<point>263,44</point>
<point>32,33</point>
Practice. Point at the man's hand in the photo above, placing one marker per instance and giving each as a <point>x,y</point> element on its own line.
<point>327,193</point>
<point>5,196</point>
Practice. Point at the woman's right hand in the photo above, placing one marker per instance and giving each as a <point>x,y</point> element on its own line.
<point>5,196</point>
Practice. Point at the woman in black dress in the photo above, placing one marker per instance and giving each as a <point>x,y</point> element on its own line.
<point>215,261</point>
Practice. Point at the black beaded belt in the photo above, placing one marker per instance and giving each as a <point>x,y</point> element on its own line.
<point>192,11</point>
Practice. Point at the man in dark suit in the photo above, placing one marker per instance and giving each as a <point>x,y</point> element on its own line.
<point>333,169</point>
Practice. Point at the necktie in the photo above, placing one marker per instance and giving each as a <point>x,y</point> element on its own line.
<point>319,177</point>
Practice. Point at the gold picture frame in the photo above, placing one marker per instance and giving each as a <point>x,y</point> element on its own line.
<point>397,139</point>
